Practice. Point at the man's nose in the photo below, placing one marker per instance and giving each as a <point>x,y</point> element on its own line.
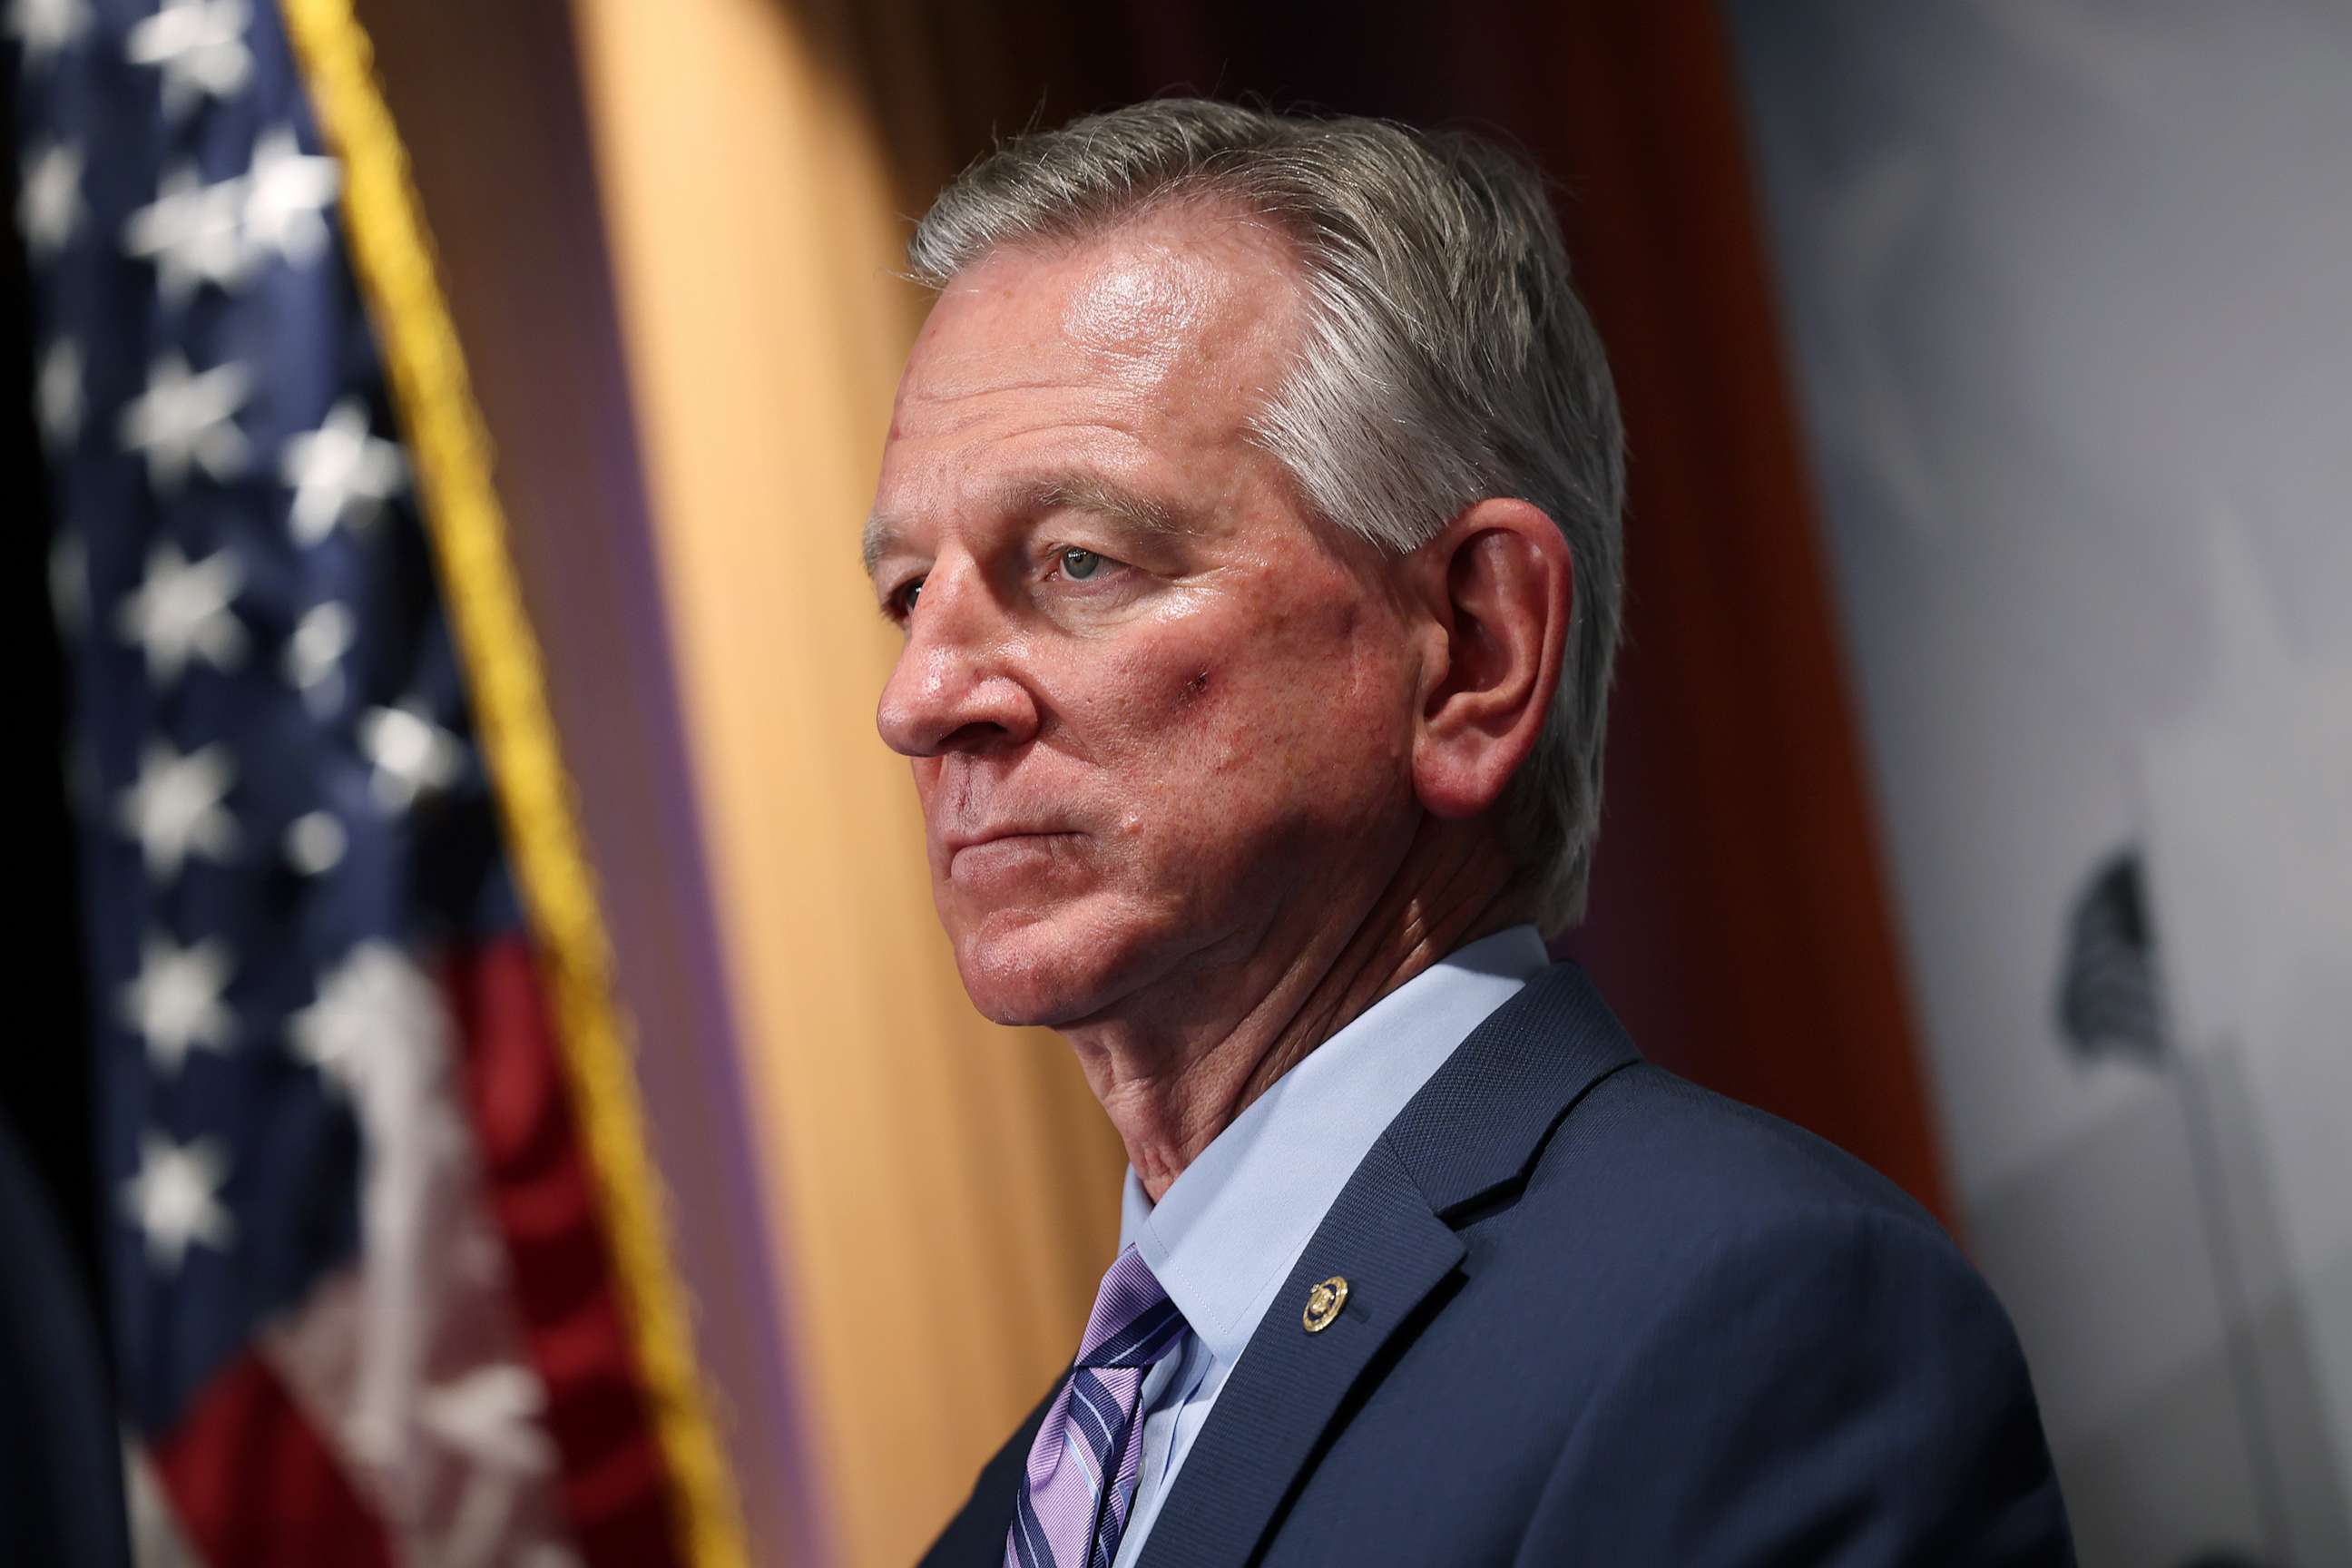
<point>954,688</point>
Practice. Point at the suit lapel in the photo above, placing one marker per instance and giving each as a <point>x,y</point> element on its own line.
<point>1471,1130</point>
<point>1479,1122</point>
<point>1382,1238</point>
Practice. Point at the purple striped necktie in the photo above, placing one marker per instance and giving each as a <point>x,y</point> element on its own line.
<point>1066,1517</point>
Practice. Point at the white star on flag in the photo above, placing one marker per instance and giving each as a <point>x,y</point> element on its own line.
<point>175,1004</point>
<point>314,654</point>
<point>175,809</point>
<point>56,394</point>
<point>200,46</point>
<point>413,755</point>
<point>372,1007</point>
<point>45,27</point>
<point>48,200</point>
<point>193,232</point>
<point>183,418</point>
<point>340,469</point>
<point>286,190</point>
<point>176,1197</point>
<point>183,607</point>
<point>315,841</point>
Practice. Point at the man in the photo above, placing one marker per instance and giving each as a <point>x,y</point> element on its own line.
<point>1250,507</point>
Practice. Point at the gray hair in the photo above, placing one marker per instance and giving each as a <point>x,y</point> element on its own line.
<point>1447,360</point>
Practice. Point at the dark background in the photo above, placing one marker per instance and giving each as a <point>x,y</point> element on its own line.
<point>46,1082</point>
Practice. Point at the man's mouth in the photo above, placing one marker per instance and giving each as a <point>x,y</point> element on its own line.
<point>1002,851</point>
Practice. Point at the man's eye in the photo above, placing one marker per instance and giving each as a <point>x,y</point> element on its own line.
<point>903,601</point>
<point>1080,564</point>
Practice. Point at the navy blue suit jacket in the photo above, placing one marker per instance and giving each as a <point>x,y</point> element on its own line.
<point>1597,1314</point>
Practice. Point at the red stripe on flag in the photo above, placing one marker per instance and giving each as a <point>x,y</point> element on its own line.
<point>254,1485</point>
<point>616,1490</point>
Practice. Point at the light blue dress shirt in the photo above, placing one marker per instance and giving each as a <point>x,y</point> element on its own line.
<point>1227,1233</point>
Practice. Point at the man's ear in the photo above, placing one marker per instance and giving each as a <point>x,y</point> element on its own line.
<point>1500,583</point>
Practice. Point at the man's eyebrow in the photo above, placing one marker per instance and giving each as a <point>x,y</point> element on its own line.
<point>881,537</point>
<point>1099,497</point>
<point>1089,493</point>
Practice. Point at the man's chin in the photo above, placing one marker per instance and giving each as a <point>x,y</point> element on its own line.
<point>1017,993</point>
<point>1039,973</point>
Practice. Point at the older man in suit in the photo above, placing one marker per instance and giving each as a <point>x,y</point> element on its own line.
<point>1250,508</point>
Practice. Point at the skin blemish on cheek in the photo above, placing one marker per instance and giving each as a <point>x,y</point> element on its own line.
<point>1197,688</point>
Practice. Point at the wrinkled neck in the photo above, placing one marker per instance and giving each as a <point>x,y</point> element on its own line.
<point>1170,1091</point>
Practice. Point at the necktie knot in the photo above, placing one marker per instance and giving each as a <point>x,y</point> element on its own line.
<point>1080,1477</point>
<point>1134,1323</point>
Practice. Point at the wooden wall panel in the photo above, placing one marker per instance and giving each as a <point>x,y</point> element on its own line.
<point>944,1192</point>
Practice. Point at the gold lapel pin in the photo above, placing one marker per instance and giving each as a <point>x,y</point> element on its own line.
<point>1323,1304</point>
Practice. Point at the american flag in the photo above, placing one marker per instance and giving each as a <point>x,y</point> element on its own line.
<point>362,1296</point>
<point>2110,997</point>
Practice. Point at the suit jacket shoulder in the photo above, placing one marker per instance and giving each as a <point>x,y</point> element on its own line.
<point>1752,1347</point>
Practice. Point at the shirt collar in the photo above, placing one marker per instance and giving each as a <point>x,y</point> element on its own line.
<point>1230,1228</point>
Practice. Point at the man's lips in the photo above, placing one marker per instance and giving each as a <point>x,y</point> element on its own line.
<point>999,846</point>
<point>956,843</point>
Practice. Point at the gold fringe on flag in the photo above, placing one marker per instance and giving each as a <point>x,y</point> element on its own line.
<point>393,254</point>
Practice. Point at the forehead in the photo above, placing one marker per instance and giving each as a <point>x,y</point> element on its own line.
<point>1162,335</point>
